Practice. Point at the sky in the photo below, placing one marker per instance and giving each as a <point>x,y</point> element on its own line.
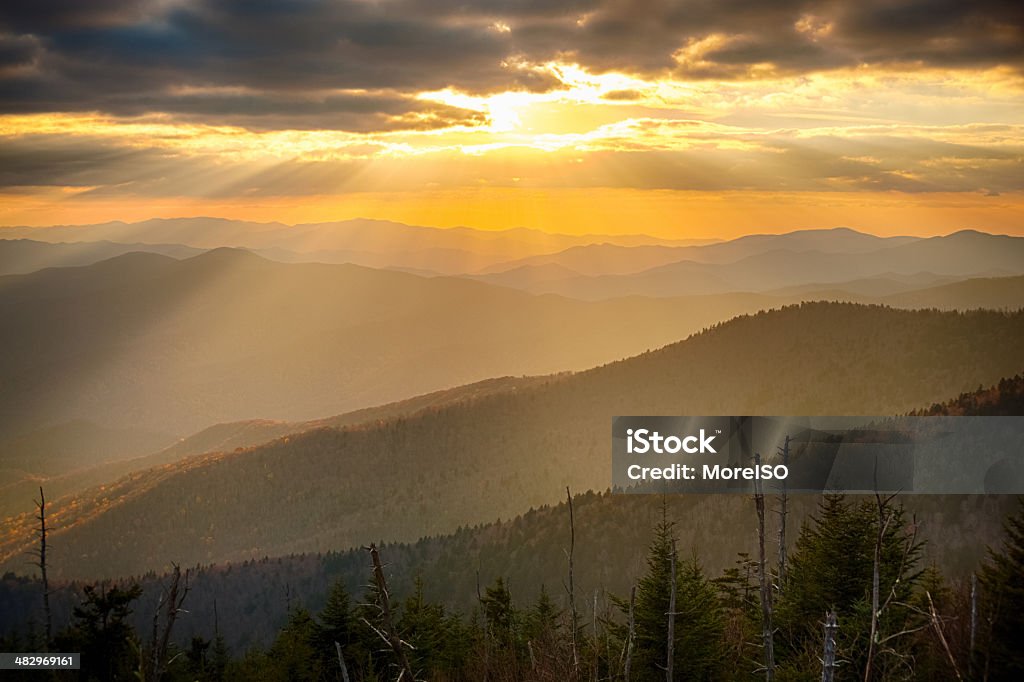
<point>696,118</point>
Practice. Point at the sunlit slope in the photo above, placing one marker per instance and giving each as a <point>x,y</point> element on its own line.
<point>77,474</point>
<point>176,346</point>
<point>494,457</point>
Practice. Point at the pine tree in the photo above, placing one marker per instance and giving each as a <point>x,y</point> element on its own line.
<point>499,612</point>
<point>422,625</point>
<point>698,626</point>
<point>293,657</point>
<point>337,623</point>
<point>102,633</point>
<point>1002,580</point>
<point>831,568</point>
<point>542,620</point>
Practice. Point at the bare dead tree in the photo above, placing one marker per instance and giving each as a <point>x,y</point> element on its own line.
<point>671,645</point>
<point>389,635</point>
<point>170,604</point>
<point>828,659</point>
<point>40,554</point>
<point>783,511</point>
<point>974,623</point>
<point>597,650</point>
<point>630,635</point>
<point>486,623</point>
<point>937,625</point>
<point>341,662</point>
<point>767,635</point>
<point>991,617</point>
<point>571,589</point>
<point>885,517</point>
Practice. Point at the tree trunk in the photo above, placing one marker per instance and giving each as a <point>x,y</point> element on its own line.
<point>573,616</point>
<point>671,656</point>
<point>390,635</point>
<point>631,634</point>
<point>173,598</point>
<point>828,658</point>
<point>783,511</point>
<point>42,568</point>
<point>341,662</point>
<point>597,651</point>
<point>883,524</point>
<point>974,623</point>
<point>767,637</point>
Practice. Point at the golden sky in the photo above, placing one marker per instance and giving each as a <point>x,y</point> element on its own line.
<point>679,119</point>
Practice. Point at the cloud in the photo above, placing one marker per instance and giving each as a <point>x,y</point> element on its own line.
<point>646,155</point>
<point>320,63</point>
<point>78,161</point>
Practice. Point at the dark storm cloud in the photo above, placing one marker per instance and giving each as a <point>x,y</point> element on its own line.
<point>127,56</point>
<point>46,15</point>
<point>59,160</point>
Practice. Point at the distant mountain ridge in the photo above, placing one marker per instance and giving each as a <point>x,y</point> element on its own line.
<point>23,256</point>
<point>176,346</point>
<point>960,255</point>
<point>590,267</point>
<point>611,259</point>
<point>374,243</point>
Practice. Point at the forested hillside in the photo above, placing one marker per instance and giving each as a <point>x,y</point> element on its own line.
<point>500,454</point>
<point>73,474</point>
<point>493,600</point>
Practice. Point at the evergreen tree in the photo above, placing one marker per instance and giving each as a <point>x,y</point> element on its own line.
<point>542,620</point>
<point>423,626</point>
<point>1002,580</point>
<point>101,632</point>
<point>698,625</point>
<point>220,658</point>
<point>292,657</point>
<point>930,659</point>
<point>338,622</point>
<point>741,608</point>
<point>503,645</point>
<point>499,613</point>
<point>832,568</point>
<point>197,659</point>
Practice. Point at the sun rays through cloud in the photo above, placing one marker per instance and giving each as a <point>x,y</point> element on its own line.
<point>103,108</point>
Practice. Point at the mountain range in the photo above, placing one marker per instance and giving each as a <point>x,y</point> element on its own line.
<point>491,456</point>
<point>583,272</point>
<point>178,345</point>
<point>373,243</point>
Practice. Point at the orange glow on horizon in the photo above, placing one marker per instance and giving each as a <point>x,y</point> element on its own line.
<point>660,213</point>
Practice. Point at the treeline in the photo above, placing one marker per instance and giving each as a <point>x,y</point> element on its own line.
<point>613,532</point>
<point>853,558</point>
